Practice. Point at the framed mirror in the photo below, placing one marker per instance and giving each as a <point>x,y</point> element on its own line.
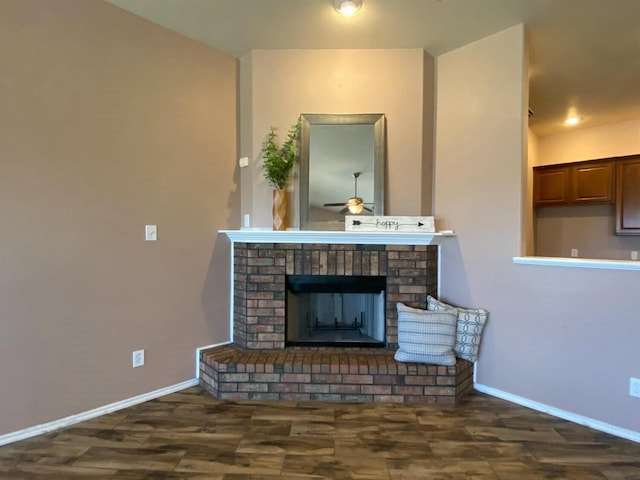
<point>342,168</point>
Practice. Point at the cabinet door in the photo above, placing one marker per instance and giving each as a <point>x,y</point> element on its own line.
<point>550,186</point>
<point>592,182</point>
<point>628,197</point>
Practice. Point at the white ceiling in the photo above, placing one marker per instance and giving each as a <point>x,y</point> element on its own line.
<point>584,54</point>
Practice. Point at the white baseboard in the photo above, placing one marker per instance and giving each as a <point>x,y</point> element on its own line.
<point>199,349</point>
<point>96,412</point>
<point>557,412</point>
<point>129,402</point>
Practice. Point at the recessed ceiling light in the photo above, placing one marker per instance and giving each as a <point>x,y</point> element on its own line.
<point>572,121</point>
<point>347,7</point>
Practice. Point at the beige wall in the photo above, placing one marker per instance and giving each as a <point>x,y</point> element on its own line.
<point>590,229</point>
<point>529,222</point>
<point>613,140</point>
<point>428,132</point>
<point>565,337</point>
<point>108,122</point>
<point>286,83</point>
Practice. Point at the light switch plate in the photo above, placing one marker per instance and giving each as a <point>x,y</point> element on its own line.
<point>151,233</point>
<point>634,387</point>
<point>138,358</point>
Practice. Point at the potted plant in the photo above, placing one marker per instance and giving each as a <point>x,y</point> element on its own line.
<point>278,165</point>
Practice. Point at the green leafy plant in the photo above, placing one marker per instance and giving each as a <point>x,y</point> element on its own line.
<point>278,161</point>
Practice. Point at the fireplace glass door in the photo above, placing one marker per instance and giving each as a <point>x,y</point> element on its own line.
<point>335,310</point>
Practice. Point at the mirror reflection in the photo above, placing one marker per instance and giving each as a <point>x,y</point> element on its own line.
<point>341,168</point>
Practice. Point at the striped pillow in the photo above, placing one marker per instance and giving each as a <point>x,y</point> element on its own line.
<point>426,337</point>
<point>471,322</point>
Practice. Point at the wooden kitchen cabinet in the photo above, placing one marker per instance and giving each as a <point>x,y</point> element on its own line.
<point>628,196</point>
<point>574,183</point>
<point>551,185</point>
<point>592,182</point>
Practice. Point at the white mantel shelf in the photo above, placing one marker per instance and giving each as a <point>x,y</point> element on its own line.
<point>252,235</point>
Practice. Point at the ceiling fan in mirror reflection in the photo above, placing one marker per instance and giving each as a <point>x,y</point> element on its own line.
<point>354,205</point>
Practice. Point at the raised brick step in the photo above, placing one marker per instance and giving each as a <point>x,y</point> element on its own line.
<point>330,374</point>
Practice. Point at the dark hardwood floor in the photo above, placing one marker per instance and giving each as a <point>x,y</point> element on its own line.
<point>189,435</point>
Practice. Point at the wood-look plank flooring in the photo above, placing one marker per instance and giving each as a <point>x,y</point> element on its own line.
<point>190,435</point>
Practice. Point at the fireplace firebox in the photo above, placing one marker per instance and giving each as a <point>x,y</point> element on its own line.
<point>333,310</point>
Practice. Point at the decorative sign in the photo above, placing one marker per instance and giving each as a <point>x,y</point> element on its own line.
<point>368,223</point>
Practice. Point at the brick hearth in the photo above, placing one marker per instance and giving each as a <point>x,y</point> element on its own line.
<point>330,374</point>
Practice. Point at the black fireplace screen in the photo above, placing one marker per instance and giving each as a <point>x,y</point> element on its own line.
<point>335,310</point>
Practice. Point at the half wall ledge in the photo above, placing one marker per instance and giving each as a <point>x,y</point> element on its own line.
<point>579,263</point>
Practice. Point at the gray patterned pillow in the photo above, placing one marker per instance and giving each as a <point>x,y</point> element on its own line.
<point>471,322</point>
<point>426,337</point>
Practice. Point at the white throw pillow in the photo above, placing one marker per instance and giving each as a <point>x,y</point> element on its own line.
<point>426,337</point>
<point>471,322</point>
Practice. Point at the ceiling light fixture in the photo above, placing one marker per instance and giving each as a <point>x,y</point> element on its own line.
<point>572,121</point>
<point>355,205</point>
<point>347,8</point>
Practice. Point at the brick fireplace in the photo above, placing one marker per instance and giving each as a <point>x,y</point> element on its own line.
<point>259,365</point>
<point>260,269</point>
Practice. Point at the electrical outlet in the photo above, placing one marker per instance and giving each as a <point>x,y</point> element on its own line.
<point>138,358</point>
<point>634,387</point>
<point>634,254</point>
<point>574,252</point>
